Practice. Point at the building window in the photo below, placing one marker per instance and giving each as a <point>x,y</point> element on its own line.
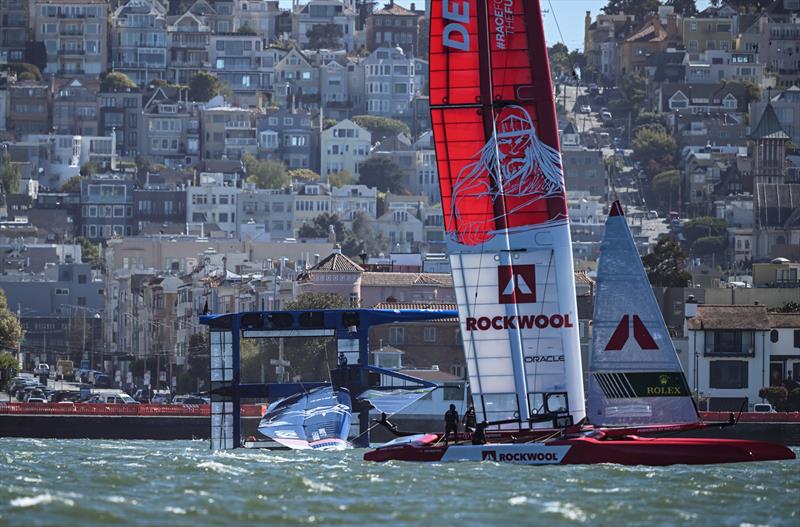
<point>429,334</point>
<point>728,374</point>
<point>62,291</point>
<point>797,338</point>
<point>728,342</point>
<point>773,335</point>
<point>397,336</point>
<point>452,392</point>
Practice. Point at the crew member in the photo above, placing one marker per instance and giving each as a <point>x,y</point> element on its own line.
<point>470,422</point>
<point>451,423</point>
<point>479,436</point>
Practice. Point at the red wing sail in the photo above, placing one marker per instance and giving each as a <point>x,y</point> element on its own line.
<point>496,140</point>
<point>501,179</point>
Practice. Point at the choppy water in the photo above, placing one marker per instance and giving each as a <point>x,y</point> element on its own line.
<point>82,482</point>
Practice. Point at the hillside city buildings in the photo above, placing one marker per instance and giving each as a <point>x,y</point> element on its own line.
<point>139,208</point>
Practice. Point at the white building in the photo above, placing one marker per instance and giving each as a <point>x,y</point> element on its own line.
<point>212,201</point>
<point>348,200</point>
<point>68,153</point>
<point>344,146</point>
<point>735,350</point>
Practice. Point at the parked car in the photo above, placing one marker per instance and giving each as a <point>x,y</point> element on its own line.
<point>42,369</point>
<point>585,108</point>
<point>112,398</point>
<point>606,116</point>
<point>40,400</point>
<point>62,396</point>
<point>189,399</point>
<point>161,397</point>
<point>764,408</point>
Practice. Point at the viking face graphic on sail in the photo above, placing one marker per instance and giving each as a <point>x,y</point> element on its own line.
<point>514,164</point>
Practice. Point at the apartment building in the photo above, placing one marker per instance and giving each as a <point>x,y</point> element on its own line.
<point>289,136</point>
<point>121,116</point>
<point>75,109</point>
<point>237,60</point>
<point>106,208</point>
<point>139,40</point>
<point>75,34</point>
<point>212,202</point>
<point>171,129</point>
<point>29,106</point>
<point>341,13</point>
<point>394,25</point>
<point>13,30</point>
<point>389,82</point>
<point>188,41</point>
<point>344,146</point>
<point>228,132</point>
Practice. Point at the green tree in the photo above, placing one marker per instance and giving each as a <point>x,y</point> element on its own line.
<point>36,54</point>
<point>704,226</point>
<point>638,8</point>
<point>651,119</point>
<point>683,7</point>
<point>382,173</point>
<point>775,395</point>
<point>8,366</point>
<point>655,150</point>
<point>245,29</point>
<point>266,173</point>
<point>320,227</point>
<point>365,238</point>
<point>204,86</point>
<point>340,179</point>
<point>559,59</point>
<point>381,127</point>
<point>325,36</point>
<point>30,71</point>
<point>304,174</point>
<point>709,245</point>
<point>665,189</point>
<point>788,307</point>
<point>664,266</point>
<point>90,252</point>
<point>10,328</point>
<point>73,185</point>
<point>89,169</point>
<point>116,82</point>
<point>9,175</point>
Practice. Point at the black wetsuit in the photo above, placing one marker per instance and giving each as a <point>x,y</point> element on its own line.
<point>470,423</point>
<point>479,436</point>
<point>450,424</point>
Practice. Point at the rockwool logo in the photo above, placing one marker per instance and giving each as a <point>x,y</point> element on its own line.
<point>517,457</point>
<point>516,284</point>
<point>622,333</point>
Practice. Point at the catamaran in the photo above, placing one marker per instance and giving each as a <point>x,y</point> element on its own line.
<point>503,194</point>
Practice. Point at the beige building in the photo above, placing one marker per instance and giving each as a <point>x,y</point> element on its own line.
<point>75,34</point>
<point>701,34</point>
<point>228,132</point>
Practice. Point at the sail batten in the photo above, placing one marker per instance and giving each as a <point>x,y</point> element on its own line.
<point>635,377</point>
<point>503,197</point>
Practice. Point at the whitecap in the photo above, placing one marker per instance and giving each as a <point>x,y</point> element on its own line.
<point>221,468</point>
<point>41,499</point>
<point>317,486</point>
<point>517,500</point>
<point>567,510</point>
<point>175,510</point>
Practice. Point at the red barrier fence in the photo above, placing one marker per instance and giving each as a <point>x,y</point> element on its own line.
<point>255,410</point>
<point>753,417</point>
<point>144,410</point>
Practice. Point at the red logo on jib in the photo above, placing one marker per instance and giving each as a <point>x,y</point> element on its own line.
<point>516,284</point>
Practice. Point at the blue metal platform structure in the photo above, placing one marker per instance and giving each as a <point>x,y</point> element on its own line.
<point>350,328</point>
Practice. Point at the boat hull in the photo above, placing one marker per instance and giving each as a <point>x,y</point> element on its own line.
<point>632,450</point>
